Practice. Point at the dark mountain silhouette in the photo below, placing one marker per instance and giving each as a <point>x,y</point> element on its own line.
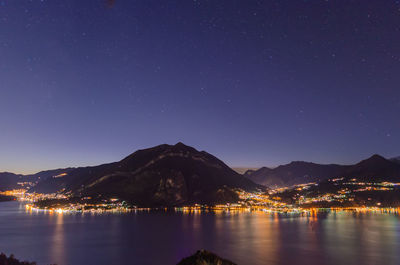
<point>303,172</point>
<point>396,159</point>
<point>375,166</point>
<point>9,181</point>
<point>251,171</point>
<point>294,173</point>
<point>43,175</point>
<point>165,175</point>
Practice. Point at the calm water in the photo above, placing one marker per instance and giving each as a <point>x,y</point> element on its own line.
<point>165,238</point>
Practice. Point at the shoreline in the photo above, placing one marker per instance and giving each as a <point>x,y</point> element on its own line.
<point>195,210</point>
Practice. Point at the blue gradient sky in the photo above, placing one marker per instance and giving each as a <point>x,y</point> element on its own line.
<point>252,82</point>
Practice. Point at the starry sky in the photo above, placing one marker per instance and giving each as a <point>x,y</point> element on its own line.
<point>253,82</point>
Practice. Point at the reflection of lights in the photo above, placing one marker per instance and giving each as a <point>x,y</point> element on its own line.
<point>269,203</point>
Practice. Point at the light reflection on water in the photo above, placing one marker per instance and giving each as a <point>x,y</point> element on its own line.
<point>165,237</point>
<point>56,250</point>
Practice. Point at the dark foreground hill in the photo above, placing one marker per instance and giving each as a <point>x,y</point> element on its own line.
<point>203,257</point>
<point>4,260</point>
<point>299,172</point>
<point>165,175</point>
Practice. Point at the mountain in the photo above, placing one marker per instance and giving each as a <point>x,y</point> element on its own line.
<point>375,166</point>
<point>300,172</point>
<point>294,173</point>
<point>10,181</point>
<point>165,175</point>
<point>43,175</point>
<point>396,159</point>
<point>243,170</point>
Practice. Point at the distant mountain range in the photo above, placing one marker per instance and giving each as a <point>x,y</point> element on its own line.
<point>299,172</point>
<point>165,175</point>
<point>242,170</point>
<point>10,181</point>
<point>168,175</point>
<point>396,159</point>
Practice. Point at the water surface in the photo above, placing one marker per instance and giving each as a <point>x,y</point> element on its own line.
<point>253,238</point>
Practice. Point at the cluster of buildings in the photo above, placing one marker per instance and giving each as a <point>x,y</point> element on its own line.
<point>337,190</point>
<point>105,206</point>
<point>302,196</point>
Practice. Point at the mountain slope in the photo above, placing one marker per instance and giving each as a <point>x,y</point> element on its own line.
<point>10,181</point>
<point>164,175</point>
<point>294,173</point>
<point>303,172</point>
<point>43,175</point>
<point>375,166</point>
<point>395,159</point>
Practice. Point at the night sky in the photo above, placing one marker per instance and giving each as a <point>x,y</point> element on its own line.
<point>252,82</point>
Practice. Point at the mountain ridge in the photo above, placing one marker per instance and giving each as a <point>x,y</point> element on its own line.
<point>300,172</point>
<point>395,159</point>
<point>164,175</point>
<point>85,180</point>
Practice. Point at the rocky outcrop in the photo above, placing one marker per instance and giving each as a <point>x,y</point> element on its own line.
<point>203,257</point>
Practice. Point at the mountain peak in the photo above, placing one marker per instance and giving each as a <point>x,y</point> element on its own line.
<point>300,163</point>
<point>375,158</point>
<point>183,147</point>
<point>180,144</point>
<point>165,175</point>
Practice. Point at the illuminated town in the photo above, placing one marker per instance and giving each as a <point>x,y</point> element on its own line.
<point>303,198</point>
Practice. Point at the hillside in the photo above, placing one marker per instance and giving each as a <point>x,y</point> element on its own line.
<point>396,159</point>
<point>203,257</point>
<point>304,172</point>
<point>165,175</point>
<point>10,181</point>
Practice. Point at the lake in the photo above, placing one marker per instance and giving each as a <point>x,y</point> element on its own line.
<point>157,237</point>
